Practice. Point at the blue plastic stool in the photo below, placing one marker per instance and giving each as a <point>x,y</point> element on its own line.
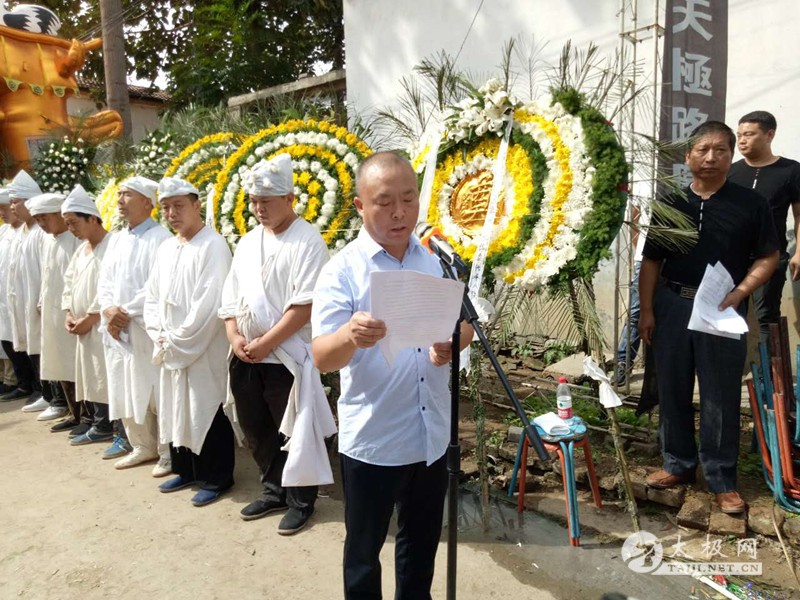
<point>564,445</point>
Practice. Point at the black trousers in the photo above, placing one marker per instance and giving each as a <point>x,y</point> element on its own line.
<point>261,392</point>
<point>371,493</point>
<point>80,412</point>
<point>718,362</point>
<point>45,390</point>
<point>212,469</point>
<point>21,362</point>
<point>767,299</point>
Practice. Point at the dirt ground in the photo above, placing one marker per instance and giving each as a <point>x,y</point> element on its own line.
<point>71,526</point>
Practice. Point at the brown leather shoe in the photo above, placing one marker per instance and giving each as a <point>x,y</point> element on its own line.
<point>731,503</point>
<point>662,480</point>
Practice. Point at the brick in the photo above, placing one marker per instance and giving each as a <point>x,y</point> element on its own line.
<point>673,496</point>
<point>695,511</point>
<point>791,528</point>
<point>514,434</point>
<point>759,519</point>
<point>722,524</point>
<point>610,483</point>
<point>647,449</point>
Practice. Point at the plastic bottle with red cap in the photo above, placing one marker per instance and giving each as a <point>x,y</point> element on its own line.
<point>564,399</point>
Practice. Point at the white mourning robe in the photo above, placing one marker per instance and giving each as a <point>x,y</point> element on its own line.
<point>24,286</point>
<point>7,241</point>
<point>15,290</point>
<point>80,298</point>
<point>180,312</point>
<point>288,265</point>
<point>58,345</point>
<point>132,377</point>
<point>32,255</point>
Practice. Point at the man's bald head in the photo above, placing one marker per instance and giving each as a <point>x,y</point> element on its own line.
<point>377,162</point>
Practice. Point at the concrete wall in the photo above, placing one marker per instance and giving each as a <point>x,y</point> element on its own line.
<point>385,40</point>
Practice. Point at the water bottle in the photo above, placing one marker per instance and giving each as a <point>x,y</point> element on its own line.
<point>564,399</point>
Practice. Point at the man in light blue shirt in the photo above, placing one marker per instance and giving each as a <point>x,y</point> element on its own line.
<point>393,421</point>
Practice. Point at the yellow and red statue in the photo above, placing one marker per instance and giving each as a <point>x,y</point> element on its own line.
<point>38,69</point>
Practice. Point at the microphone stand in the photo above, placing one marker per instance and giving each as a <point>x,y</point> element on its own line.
<point>470,315</point>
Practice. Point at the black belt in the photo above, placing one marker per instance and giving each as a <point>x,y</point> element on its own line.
<point>684,291</point>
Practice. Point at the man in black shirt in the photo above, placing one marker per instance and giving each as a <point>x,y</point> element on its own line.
<point>778,180</point>
<point>734,227</point>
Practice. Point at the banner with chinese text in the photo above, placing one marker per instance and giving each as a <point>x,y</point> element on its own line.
<point>695,69</point>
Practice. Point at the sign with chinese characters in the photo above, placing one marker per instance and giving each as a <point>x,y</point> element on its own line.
<point>694,73</point>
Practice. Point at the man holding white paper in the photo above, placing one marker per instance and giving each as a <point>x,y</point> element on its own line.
<point>734,225</point>
<point>393,421</point>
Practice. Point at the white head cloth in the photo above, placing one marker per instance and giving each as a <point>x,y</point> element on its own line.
<point>44,203</point>
<point>23,186</point>
<point>79,201</point>
<point>5,197</point>
<point>174,186</point>
<point>270,177</point>
<point>142,185</point>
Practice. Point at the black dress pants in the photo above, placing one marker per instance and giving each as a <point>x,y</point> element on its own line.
<point>371,493</point>
<point>261,392</point>
<point>23,368</point>
<point>718,363</point>
<point>767,299</point>
<point>212,469</point>
<point>45,390</point>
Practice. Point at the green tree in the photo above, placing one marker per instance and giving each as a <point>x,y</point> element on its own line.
<point>211,49</point>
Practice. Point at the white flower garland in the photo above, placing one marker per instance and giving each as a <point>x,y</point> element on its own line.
<point>576,206</point>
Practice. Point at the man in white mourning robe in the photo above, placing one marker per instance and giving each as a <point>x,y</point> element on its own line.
<point>89,403</point>
<point>132,377</point>
<point>58,351</point>
<point>180,313</point>
<point>24,285</point>
<point>266,306</point>
<point>19,360</point>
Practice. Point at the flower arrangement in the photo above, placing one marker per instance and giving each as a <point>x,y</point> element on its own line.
<point>107,205</point>
<point>64,164</point>
<point>154,155</point>
<point>325,158</point>
<point>200,162</point>
<point>556,218</point>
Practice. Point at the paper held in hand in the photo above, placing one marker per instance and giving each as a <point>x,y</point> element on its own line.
<point>706,315</point>
<point>419,310</point>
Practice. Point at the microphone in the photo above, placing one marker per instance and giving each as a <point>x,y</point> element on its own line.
<point>432,238</point>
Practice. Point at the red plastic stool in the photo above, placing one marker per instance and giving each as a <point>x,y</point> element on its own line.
<point>564,445</point>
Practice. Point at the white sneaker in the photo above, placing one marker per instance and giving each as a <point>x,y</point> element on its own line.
<point>163,467</point>
<point>137,457</point>
<point>38,406</point>
<point>52,412</point>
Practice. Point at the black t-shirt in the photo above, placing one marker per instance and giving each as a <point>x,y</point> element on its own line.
<point>779,183</point>
<point>737,226</point>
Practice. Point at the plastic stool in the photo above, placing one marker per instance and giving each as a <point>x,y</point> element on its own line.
<point>564,446</point>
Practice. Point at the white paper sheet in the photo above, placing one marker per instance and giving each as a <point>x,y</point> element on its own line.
<point>706,315</point>
<point>418,309</point>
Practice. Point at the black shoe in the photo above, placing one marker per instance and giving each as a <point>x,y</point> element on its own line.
<point>4,388</point>
<point>261,508</point>
<point>294,520</point>
<point>79,429</point>
<point>15,394</point>
<point>64,425</point>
